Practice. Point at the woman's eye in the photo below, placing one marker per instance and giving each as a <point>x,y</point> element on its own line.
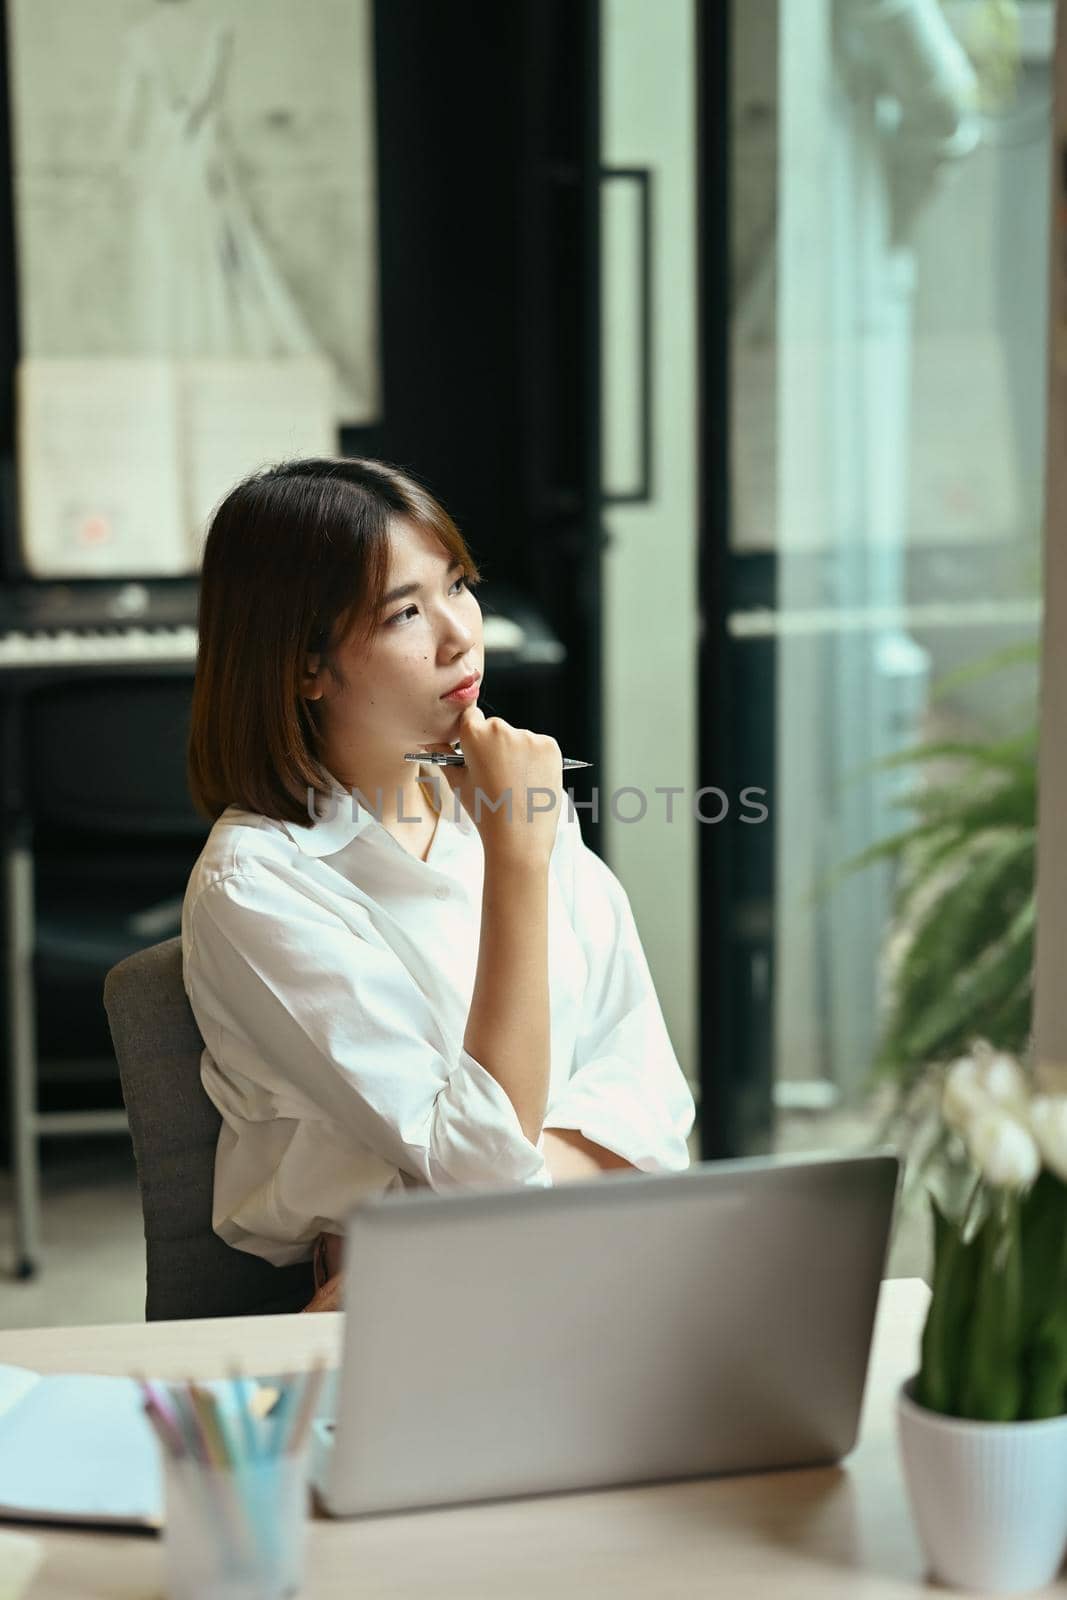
<point>461,582</point>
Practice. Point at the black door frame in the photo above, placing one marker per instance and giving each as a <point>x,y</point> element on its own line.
<point>734,1034</point>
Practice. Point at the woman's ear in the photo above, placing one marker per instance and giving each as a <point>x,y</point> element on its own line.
<point>311,684</point>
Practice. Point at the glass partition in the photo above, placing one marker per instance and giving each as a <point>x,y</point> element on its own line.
<point>889,218</point>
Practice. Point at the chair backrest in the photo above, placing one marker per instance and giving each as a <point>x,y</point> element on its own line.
<point>191,1271</point>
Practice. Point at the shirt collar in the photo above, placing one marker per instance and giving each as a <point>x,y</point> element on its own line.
<point>340,817</point>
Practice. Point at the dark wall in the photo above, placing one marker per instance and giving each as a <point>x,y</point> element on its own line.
<point>449,171</point>
<point>488,119</point>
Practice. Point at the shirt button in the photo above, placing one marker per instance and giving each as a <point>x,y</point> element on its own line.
<point>442,892</point>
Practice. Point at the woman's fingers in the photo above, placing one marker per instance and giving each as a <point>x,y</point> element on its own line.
<point>329,1297</point>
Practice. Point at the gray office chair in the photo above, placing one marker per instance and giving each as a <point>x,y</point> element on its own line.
<point>191,1271</point>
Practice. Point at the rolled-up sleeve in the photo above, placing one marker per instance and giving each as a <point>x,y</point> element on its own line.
<point>320,1023</point>
<point>627,1091</point>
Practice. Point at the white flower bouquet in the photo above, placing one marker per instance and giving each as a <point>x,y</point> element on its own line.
<point>994,1345</point>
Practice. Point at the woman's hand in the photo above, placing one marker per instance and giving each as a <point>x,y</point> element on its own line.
<point>327,1258</point>
<point>500,760</point>
<point>329,1297</point>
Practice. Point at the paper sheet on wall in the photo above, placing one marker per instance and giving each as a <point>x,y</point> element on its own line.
<point>99,487</point>
<point>120,462</point>
<point>237,415</point>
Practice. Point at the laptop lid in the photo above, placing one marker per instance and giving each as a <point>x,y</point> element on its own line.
<point>631,1328</point>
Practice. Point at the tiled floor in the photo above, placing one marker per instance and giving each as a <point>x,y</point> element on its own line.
<point>93,1257</point>
<point>93,1246</point>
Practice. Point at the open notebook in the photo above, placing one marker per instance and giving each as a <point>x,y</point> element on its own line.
<point>78,1448</point>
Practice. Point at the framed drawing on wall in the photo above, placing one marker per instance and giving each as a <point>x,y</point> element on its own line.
<point>194,186</point>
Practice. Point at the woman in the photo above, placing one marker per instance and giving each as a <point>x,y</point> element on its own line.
<point>397,983</point>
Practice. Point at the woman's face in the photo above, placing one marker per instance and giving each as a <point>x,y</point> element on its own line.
<point>423,644</point>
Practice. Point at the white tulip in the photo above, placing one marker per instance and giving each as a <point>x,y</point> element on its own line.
<point>1003,1149</point>
<point>982,1082</point>
<point>1005,1081</point>
<point>963,1096</point>
<point>1048,1119</point>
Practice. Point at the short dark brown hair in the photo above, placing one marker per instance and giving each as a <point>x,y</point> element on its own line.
<point>296,555</point>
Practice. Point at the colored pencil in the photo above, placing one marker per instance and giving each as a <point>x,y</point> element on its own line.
<point>249,1421</point>
<point>313,1382</point>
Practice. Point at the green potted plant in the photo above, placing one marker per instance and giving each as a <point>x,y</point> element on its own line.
<point>961,944</point>
<point>964,893</point>
<point>982,1423</point>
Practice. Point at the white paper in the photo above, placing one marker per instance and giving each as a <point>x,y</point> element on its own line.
<point>79,1448</point>
<point>237,416</point>
<point>122,462</point>
<point>99,488</point>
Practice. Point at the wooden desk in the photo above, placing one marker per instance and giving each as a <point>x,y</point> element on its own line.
<point>806,1534</point>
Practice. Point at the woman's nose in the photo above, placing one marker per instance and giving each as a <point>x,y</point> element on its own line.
<point>458,635</point>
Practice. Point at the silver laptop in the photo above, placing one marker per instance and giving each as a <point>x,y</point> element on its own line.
<point>635,1327</point>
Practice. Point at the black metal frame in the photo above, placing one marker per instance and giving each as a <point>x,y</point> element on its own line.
<point>719,1048</point>
<point>10,558</point>
<point>558,360</point>
<point>642,179</point>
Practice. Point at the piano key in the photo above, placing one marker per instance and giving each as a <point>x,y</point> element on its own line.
<point>121,645</point>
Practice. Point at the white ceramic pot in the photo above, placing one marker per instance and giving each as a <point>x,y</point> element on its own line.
<point>989,1499</point>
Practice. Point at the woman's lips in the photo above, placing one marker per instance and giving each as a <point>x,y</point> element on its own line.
<point>464,697</point>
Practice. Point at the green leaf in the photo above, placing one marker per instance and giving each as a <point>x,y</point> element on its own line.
<point>963,887</point>
<point>953,932</point>
<point>882,850</point>
<point>1045,1368</point>
<point>922,1029</point>
<point>947,1317</point>
<point>1011,754</point>
<point>976,992</point>
<point>1044,1305</point>
<point>1043,1227</point>
<point>991,1383</point>
<point>970,917</point>
<point>1009,805</point>
<point>1002,805</point>
<point>1008,1025</point>
<point>929,857</point>
<point>1011,655</point>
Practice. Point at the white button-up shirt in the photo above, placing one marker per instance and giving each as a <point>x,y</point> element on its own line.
<point>331,972</point>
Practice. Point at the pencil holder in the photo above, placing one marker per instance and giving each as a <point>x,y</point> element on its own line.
<point>235,1533</point>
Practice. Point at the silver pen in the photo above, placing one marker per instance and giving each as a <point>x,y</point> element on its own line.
<point>438,759</point>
